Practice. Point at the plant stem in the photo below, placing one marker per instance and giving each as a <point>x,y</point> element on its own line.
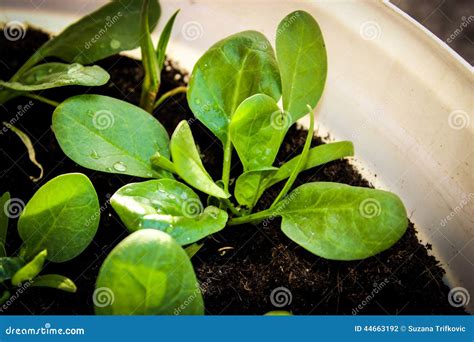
<point>231,207</point>
<point>301,162</point>
<point>226,166</point>
<point>256,217</point>
<point>42,99</point>
<point>172,92</point>
<point>158,161</point>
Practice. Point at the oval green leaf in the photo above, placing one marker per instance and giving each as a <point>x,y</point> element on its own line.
<point>110,135</point>
<point>339,222</point>
<point>52,75</point>
<point>188,163</point>
<point>62,217</point>
<point>55,281</point>
<point>169,206</point>
<point>257,130</point>
<point>147,273</point>
<point>31,269</point>
<point>302,59</point>
<point>232,70</point>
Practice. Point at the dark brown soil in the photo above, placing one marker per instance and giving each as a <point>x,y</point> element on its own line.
<point>240,266</point>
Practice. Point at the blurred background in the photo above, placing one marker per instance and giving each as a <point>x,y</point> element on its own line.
<point>451,20</point>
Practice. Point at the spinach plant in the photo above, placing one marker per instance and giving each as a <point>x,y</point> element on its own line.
<point>56,225</point>
<point>235,91</point>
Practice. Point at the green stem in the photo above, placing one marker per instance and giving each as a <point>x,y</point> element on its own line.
<point>158,161</point>
<point>301,163</point>
<point>226,166</point>
<point>256,217</point>
<point>231,207</point>
<point>42,99</point>
<point>172,92</point>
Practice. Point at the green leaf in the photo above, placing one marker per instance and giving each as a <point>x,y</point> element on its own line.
<point>55,281</point>
<point>4,201</point>
<point>110,135</point>
<point>302,59</point>
<point>340,222</point>
<point>257,130</point>
<point>105,32</point>
<point>191,250</point>
<point>31,269</point>
<point>232,70</point>
<point>9,266</point>
<point>169,206</point>
<point>151,80</point>
<point>52,75</point>
<point>62,217</point>
<point>147,273</point>
<point>188,163</point>
<point>164,39</point>
<point>250,185</point>
<point>5,296</point>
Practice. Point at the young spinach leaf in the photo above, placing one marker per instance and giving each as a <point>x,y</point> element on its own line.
<point>31,269</point>
<point>340,222</point>
<point>148,273</point>
<point>4,202</point>
<point>9,266</point>
<point>232,70</point>
<point>52,75</point>
<point>61,217</point>
<point>257,131</point>
<point>188,163</point>
<point>301,55</point>
<point>169,206</point>
<point>110,135</point>
<point>55,281</point>
<point>250,185</point>
<point>163,42</point>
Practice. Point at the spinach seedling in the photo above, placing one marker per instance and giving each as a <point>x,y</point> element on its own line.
<point>153,60</point>
<point>148,273</point>
<point>57,224</point>
<point>105,32</point>
<point>235,91</point>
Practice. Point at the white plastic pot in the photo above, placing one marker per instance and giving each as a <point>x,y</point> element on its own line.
<point>399,93</point>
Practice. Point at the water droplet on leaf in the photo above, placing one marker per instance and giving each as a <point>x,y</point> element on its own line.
<point>120,167</point>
